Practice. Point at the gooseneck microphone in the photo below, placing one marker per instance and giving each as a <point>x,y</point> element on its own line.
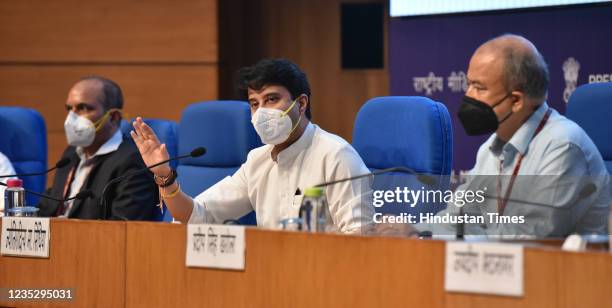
<point>60,164</point>
<point>197,152</point>
<point>423,178</point>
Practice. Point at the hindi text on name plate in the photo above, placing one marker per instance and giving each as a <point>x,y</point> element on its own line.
<point>216,246</point>
<point>25,237</point>
<point>486,268</point>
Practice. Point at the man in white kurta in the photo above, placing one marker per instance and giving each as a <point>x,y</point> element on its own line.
<point>297,155</point>
<point>269,187</point>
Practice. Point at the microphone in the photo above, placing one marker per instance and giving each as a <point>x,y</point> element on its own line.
<point>584,193</point>
<point>423,178</point>
<point>60,164</point>
<point>197,152</point>
<point>81,195</point>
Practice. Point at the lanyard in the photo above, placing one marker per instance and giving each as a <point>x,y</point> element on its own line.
<point>501,203</point>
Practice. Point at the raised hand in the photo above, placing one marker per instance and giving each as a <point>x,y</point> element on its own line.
<point>151,150</point>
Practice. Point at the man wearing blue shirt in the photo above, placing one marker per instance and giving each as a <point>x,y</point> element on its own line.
<point>541,174</point>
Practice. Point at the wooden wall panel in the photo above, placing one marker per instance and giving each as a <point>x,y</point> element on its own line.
<point>308,33</point>
<point>112,30</point>
<point>176,52</point>
<point>163,54</point>
<point>154,91</point>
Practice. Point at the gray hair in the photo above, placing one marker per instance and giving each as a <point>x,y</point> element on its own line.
<point>525,70</point>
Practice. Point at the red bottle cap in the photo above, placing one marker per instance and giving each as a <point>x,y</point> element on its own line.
<point>14,183</point>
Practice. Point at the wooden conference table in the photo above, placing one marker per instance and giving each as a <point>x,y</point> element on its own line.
<point>139,264</point>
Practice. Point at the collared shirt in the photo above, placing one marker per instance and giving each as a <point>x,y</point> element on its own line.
<point>269,187</point>
<point>5,169</point>
<point>562,184</point>
<point>85,165</point>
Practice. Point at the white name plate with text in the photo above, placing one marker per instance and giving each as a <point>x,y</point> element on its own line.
<point>25,237</point>
<point>486,268</point>
<point>216,246</point>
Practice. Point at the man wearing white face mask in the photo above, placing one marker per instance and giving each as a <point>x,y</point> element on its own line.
<point>98,152</point>
<point>297,155</point>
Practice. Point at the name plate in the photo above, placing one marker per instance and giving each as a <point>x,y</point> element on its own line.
<point>486,268</point>
<point>216,246</point>
<point>25,237</point>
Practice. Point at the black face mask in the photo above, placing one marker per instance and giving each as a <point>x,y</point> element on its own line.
<point>479,118</point>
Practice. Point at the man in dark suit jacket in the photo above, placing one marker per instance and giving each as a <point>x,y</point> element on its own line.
<point>98,152</point>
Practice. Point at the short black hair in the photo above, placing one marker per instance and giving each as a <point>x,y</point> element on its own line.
<point>112,96</point>
<point>274,72</point>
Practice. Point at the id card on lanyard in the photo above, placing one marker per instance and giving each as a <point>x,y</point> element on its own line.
<point>501,203</point>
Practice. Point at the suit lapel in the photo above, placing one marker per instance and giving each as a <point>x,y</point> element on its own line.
<point>59,182</point>
<point>98,160</point>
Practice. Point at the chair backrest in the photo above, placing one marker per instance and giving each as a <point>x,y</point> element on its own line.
<point>407,131</point>
<point>24,142</point>
<point>166,131</point>
<point>590,106</point>
<point>224,129</point>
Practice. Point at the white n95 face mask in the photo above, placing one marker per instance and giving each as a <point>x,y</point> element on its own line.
<point>272,125</point>
<point>81,131</point>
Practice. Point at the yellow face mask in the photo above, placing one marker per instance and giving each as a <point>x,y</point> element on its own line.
<point>299,119</point>
<point>98,124</point>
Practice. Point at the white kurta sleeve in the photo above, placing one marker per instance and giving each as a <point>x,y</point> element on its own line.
<point>228,199</point>
<point>349,202</point>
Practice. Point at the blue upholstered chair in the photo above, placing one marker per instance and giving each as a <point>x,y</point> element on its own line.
<point>224,129</point>
<point>590,106</point>
<point>24,142</point>
<point>407,131</point>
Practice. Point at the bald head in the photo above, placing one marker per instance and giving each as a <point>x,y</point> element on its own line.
<point>523,67</point>
<point>500,43</point>
<point>106,91</point>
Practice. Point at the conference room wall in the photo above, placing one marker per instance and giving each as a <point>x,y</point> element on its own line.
<point>166,55</point>
<point>309,33</point>
<point>163,54</point>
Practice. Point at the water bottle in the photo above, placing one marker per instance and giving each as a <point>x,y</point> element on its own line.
<point>314,214</point>
<point>14,200</point>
